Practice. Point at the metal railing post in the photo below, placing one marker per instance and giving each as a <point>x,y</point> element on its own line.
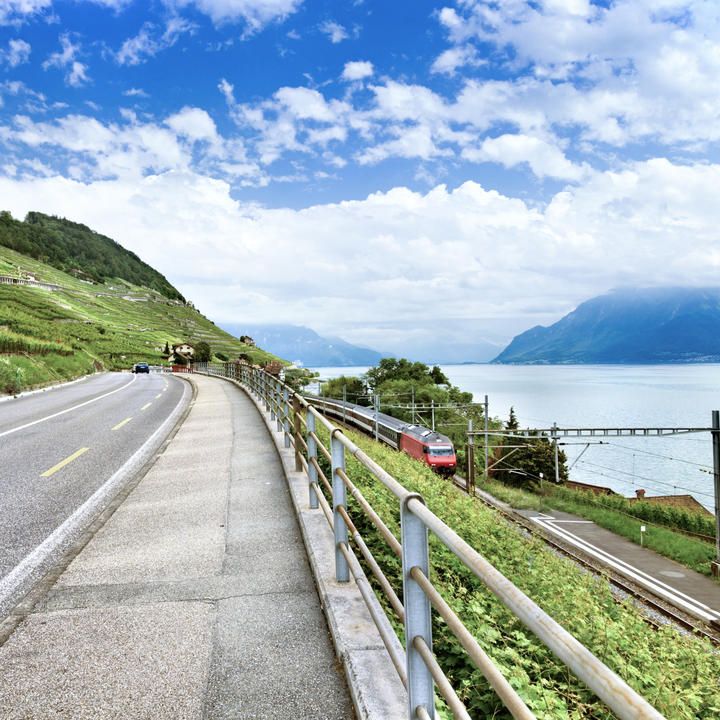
<point>312,455</point>
<point>415,553</point>
<point>276,405</point>
<point>286,416</point>
<point>337,451</point>
<point>296,432</point>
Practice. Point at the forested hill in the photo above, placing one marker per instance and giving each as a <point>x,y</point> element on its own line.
<point>641,325</point>
<point>79,251</point>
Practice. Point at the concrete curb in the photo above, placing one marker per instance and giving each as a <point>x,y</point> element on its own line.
<point>375,687</point>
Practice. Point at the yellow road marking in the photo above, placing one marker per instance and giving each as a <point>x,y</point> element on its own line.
<point>145,407</point>
<point>64,462</point>
<point>122,422</point>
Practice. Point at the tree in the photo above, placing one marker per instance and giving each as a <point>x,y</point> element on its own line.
<point>203,352</point>
<point>438,376</point>
<point>166,350</point>
<point>356,390</point>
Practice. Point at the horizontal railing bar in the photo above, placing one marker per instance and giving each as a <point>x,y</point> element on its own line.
<point>385,629</point>
<point>376,520</point>
<point>321,475</point>
<point>512,701</point>
<point>611,689</point>
<point>324,505</point>
<point>321,447</point>
<point>387,588</point>
<point>422,714</point>
<point>456,705</point>
<point>302,442</point>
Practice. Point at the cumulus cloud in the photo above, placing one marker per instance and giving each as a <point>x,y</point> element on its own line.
<point>336,32</point>
<point>489,255</point>
<point>65,59</point>
<point>150,41</point>
<point>357,70</point>
<point>15,11</point>
<point>254,13</point>
<point>17,53</point>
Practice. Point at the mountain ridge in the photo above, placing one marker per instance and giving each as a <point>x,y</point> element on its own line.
<point>627,326</point>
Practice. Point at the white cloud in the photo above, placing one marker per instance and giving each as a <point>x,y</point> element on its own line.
<point>450,60</point>
<point>544,158</point>
<point>76,72</point>
<point>149,41</point>
<point>14,11</point>
<point>490,256</point>
<point>254,13</point>
<point>194,124</point>
<point>135,92</point>
<point>336,32</point>
<point>357,70</point>
<point>18,52</point>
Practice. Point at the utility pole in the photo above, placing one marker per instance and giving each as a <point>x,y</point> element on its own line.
<point>432,410</point>
<point>377,411</point>
<point>557,464</point>
<point>470,482</point>
<point>344,400</point>
<point>412,390</point>
<point>716,474</point>
<point>486,437</point>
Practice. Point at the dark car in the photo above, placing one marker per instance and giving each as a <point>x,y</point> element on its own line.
<point>141,368</point>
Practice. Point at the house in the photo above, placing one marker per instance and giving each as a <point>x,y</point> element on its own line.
<point>684,502</point>
<point>184,349</point>
<point>247,340</point>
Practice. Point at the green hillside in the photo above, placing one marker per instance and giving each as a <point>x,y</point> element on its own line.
<point>47,336</point>
<point>79,251</point>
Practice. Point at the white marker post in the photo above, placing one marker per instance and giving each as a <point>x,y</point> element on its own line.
<point>642,534</point>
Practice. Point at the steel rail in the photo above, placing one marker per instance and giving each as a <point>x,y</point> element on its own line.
<point>321,475</point>
<point>595,565</point>
<point>456,705</point>
<point>513,702</point>
<point>376,520</point>
<point>609,687</point>
<point>377,572</point>
<point>385,629</point>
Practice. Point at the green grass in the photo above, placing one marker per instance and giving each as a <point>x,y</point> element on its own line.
<point>49,336</point>
<point>690,552</point>
<point>676,673</point>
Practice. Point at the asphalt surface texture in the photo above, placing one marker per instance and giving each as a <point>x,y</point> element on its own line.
<point>194,600</point>
<point>58,447</point>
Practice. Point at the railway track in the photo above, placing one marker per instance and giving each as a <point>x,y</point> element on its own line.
<point>653,605</point>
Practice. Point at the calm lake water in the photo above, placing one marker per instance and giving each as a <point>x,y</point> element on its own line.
<point>608,396</point>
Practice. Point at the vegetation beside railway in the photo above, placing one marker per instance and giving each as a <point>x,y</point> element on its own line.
<point>623,517</point>
<point>676,673</point>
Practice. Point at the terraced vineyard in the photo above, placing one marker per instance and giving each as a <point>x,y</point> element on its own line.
<point>47,336</point>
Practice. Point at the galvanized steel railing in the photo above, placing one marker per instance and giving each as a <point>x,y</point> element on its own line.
<point>419,669</point>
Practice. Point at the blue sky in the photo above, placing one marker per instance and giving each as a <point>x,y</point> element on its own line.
<point>393,173</point>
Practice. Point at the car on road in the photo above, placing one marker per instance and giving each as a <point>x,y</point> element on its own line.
<point>141,368</point>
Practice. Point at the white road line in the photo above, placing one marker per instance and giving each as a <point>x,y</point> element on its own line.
<point>19,580</point>
<point>67,410</point>
<point>677,597</point>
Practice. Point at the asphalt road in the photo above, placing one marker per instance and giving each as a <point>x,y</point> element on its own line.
<point>57,448</point>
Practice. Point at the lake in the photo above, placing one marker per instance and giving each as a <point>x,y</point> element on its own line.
<point>608,396</point>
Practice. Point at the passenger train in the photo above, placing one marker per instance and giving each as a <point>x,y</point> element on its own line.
<point>428,446</point>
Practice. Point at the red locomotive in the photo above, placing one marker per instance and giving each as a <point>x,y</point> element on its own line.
<point>423,444</point>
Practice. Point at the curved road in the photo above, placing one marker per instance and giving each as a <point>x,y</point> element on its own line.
<point>59,448</point>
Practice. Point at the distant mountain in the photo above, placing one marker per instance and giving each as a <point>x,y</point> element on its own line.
<point>641,325</point>
<point>295,342</point>
<point>79,251</point>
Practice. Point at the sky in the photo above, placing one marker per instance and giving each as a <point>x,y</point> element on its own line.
<point>399,174</point>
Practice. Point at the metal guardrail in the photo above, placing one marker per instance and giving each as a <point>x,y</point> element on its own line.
<point>419,670</point>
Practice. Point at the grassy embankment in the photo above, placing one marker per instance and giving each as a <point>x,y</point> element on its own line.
<point>50,336</point>
<point>678,674</point>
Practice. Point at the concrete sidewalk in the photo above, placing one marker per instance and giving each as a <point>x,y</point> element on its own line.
<point>195,600</point>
